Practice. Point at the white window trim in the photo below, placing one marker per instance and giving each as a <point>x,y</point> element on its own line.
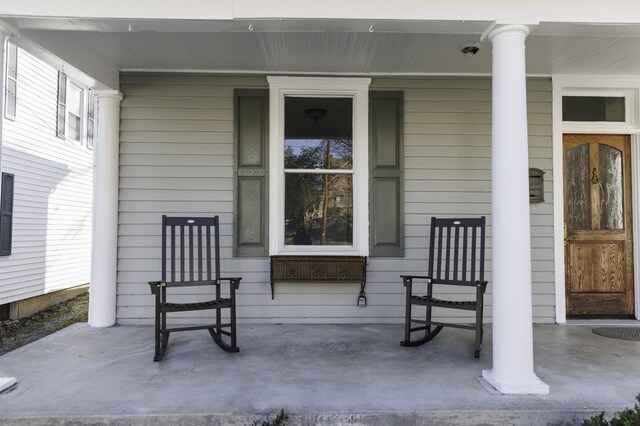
<point>627,125</point>
<point>354,88</point>
<point>568,85</point>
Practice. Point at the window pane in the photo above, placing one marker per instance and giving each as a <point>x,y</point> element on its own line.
<point>318,154</point>
<point>74,99</point>
<point>318,133</point>
<point>610,160</point>
<point>577,187</point>
<point>73,127</point>
<point>593,108</point>
<point>318,209</point>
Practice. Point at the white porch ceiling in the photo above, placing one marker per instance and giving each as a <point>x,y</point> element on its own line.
<point>329,46</point>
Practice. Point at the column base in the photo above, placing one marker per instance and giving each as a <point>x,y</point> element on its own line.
<point>101,324</point>
<point>530,386</point>
<point>6,382</point>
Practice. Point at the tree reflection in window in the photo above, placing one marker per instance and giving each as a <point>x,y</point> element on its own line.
<point>318,192</point>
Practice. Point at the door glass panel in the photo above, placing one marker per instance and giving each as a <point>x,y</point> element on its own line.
<point>577,187</point>
<point>610,169</point>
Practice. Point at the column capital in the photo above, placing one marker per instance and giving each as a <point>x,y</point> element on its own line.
<point>501,30</point>
<point>108,94</point>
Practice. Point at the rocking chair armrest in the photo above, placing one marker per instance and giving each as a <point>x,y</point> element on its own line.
<point>154,286</point>
<point>423,277</point>
<point>482,285</point>
<point>408,279</point>
<point>235,281</point>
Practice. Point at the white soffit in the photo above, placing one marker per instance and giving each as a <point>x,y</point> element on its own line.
<point>242,25</point>
<point>361,47</point>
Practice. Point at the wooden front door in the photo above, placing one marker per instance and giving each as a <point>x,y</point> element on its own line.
<point>597,221</point>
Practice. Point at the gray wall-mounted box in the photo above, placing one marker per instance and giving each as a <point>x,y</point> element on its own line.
<point>536,185</point>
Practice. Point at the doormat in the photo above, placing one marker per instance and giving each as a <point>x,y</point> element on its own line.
<point>627,333</point>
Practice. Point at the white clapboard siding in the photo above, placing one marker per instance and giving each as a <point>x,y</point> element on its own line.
<point>177,158</point>
<point>52,194</point>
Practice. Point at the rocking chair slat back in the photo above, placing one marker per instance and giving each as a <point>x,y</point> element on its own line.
<point>453,256</point>
<point>190,240</point>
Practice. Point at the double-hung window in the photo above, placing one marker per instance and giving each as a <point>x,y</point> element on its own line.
<point>75,112</point>
<point>318,146</point>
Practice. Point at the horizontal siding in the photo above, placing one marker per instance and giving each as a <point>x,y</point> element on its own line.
<point>53,192</point>
<point>448,171</point>
<point>176,156</point>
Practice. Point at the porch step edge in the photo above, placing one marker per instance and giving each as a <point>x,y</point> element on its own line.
<point>424,418</point>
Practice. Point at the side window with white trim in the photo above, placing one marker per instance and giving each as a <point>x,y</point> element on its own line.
<point>75,120</point>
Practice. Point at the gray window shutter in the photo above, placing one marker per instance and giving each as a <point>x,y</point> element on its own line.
<point>386,181</point>
<point>62,104</point>
<point>6,213</point>
<point>251,135</point>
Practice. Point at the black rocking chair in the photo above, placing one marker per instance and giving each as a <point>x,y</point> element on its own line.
<point>189,245</point>
<point>456,258</point>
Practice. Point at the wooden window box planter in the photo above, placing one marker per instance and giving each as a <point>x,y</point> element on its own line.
<point>314,269</point>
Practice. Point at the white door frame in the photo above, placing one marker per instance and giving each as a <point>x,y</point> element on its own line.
<point>629,88</point>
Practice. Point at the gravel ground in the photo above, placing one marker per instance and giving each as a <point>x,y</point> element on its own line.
<point>16,333</point>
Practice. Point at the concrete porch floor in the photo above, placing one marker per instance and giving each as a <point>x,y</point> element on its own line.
<point>319,374</point>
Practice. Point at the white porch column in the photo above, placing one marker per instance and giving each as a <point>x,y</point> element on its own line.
<point>102,295</point>
<point>512,370</point>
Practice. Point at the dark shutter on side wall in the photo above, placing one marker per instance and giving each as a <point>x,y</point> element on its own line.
<point>251,133</point>
<point>386,181</point>
<point>6,214</point>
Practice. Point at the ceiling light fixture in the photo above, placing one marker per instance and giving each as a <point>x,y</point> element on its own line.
<point>316,113</point>
<point>469,51</point>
